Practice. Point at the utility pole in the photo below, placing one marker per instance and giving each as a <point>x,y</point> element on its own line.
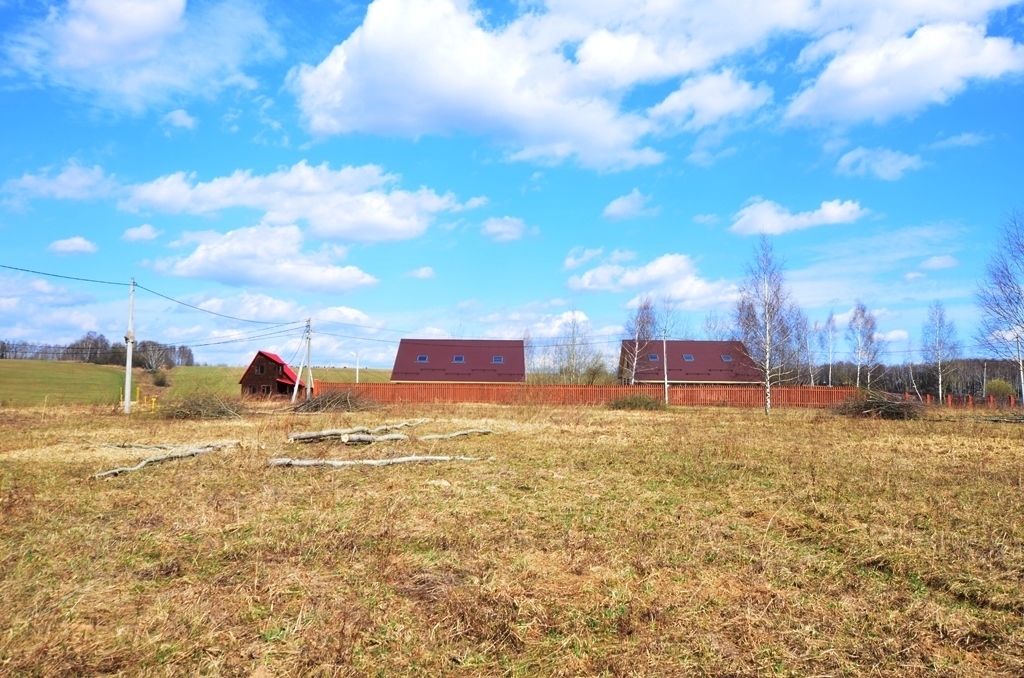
<point>129,341</point>
<point>304,363</point>
<point>356,354</point>
<point>309,364</point>
<point>664,359</point>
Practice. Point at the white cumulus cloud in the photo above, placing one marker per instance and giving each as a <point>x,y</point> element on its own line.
<point>672,276</point>
<point>629,206</point>
<point>265,256</point>
<point>73,245</point>
<point>140,233</point>
<point>884,163</point>
<point>355,203</point>
<point>578,256</point>
<point>939,262</point>
<point>766,216</point>
<point>503,229</point>
<point>707,99</point>
<point>72,182</point>
<point>180,118</point>
<point>878,79</point>
<point>423,273</point>
<point>138,53</point>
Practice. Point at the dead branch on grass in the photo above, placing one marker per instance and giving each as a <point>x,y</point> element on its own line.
<point>457,434</point>
<point>312,436</point>
<point>341,463</point>
<point>188,452</point>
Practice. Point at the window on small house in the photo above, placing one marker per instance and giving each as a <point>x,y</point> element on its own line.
<point>498,359</point>
<point>459,359</point>
<point>265,388</point>
<point>280,369</point>
<point>652,357</point>
<point>252,390</point>
<point>726,358</point>
<point>259,369</point>
<point>688,357</point>
<point>422,359</point>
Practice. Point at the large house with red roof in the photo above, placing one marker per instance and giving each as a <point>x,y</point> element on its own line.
<point>486,361</point>
<point>268,375</point>
<point>686,362</point>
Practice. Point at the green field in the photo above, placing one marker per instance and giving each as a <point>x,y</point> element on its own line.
<point>26,383</point>
<point>37,382</point>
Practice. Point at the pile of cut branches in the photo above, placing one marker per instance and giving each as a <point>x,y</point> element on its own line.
<point>341,401</point>
<point>879,405</point>
<point>202,405</point>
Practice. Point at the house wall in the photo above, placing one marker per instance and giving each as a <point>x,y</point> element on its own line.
<point>261,378</point>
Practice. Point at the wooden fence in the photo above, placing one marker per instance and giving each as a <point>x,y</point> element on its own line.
<point>685,395</point>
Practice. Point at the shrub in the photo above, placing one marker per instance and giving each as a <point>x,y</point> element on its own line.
<point>1000,388</point>
<point>637,402</point>
<point>160,379</point>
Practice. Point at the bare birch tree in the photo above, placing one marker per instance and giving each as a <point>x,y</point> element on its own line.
<point>860,334</point>
<point>764,317</point>
<point>718,327</point>
<point>827,341</point>
<point>939,344</point>
<point>574,354</point>
<point>1001,295</point>
<point>641,328</point>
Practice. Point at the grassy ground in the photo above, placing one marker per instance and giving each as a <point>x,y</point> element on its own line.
<point>35,382</point>
<point>585,542</point>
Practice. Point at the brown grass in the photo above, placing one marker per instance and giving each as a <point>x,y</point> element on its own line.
<point>591,542</point>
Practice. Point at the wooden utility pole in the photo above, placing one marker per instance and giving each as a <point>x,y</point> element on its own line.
<point>129,341</point>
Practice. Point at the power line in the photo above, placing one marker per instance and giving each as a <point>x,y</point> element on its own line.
<point>65,277</point>
<point>205,310</point>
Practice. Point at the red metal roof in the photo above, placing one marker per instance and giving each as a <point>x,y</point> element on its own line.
<point>288,374</point>
<point>438,360</point>
<point>707,364</point>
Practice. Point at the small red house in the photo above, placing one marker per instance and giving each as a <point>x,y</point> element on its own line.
<point>461,360</point>
<point>268,375</point>
<point>687,362</point>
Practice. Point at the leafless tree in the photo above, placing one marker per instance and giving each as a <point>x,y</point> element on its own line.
<point>765,317</point>
<point>152,354</point>
<point>718,327</point>
<point>641,328</point>
<point>860,334</point>
<point>939,344</point>
<point>1001,295</point>
<point>574,354</point>
<point>827,341</point>
<point>529,352</point>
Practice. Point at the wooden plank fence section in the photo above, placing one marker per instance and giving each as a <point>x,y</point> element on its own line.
<point>694,395</point>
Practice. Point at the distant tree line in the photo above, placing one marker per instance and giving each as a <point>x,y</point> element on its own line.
<point>97,349</point>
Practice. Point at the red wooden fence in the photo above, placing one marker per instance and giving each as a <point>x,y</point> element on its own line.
<point>508,394</point>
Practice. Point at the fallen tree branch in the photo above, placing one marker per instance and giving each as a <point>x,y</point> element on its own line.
<point>188,452</point>
<point>311,436</point>
<point>340,463</point>
<point>447,436</point>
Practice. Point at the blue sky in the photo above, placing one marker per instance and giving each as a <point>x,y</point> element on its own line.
<point>449,168</point>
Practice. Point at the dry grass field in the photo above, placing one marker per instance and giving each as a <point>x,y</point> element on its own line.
<point>584,542</point>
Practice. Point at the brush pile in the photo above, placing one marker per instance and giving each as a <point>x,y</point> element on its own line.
<point>879,405</point>
<point>202,405</point>
<point>342,401</point>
